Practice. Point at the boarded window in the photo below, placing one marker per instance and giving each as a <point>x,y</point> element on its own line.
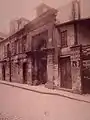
<point>64,38</point>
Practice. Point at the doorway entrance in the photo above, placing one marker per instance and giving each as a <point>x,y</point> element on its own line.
<point>65,66</point>
<point>25,73</point>
<point>42,68</point>
<point>39,58</point>
<point>39,72</point>
<point>3,72</point>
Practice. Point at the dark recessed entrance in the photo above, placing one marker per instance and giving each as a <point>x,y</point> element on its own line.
<point>39,58</point>
<point>65,68</point>
<point>39,72</point>
<point>24,72</point>
<point>3,72</point>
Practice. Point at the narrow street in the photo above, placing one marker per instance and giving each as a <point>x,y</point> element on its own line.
<point>21,104</point>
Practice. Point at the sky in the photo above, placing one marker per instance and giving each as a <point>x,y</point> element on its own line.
<point>11,9</point>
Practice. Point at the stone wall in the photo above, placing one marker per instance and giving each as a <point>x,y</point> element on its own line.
<point>76,66</point>
<point>50,72</point>
<point>17,72</point>
<point>29,71</point>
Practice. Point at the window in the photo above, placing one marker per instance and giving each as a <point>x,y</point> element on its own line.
<point>64,38</point>
<point>8,50</point>
<point>18,46</point>
<point>15,48</point>
<point>24,43</point>
<point>12,48</point>
<point>5,52</point>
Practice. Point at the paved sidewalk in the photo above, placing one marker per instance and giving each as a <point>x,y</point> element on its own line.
<point>43,90</point>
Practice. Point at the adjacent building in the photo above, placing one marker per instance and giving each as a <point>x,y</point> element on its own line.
<point>53,49</point>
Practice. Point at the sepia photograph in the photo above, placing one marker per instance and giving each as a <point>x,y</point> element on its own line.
<point>45,60</point>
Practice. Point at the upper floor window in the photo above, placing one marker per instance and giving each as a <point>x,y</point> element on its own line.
<point>5,51</point>
<point>64,38</point>
<point>16,47</point>
<point>13,48</point>
<point>19,46</point>
<point>24,43</point>
<point>8,50</point>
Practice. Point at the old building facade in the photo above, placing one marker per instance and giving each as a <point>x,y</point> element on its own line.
<point>48,52</point>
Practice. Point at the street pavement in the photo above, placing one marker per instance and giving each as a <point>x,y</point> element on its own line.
<point>24,104</point>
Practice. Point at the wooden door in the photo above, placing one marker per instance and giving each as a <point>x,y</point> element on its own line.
<point>65,65</point>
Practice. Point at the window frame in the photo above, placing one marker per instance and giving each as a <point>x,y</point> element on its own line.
<point>64,40</point>
<point>8,50</point>
<point>24,39</point>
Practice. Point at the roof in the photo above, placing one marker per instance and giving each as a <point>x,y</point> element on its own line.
<point>73,21</point>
